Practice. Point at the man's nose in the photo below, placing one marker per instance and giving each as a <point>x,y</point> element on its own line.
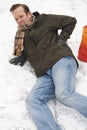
<point>19,21</point>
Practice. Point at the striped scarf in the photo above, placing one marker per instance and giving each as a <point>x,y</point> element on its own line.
<point>19,38</point>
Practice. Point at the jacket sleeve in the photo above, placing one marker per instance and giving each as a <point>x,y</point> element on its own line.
<point>67,29</point>
<point>65,23</point>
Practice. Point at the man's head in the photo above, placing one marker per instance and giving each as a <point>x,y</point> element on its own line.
<point>21,14</point>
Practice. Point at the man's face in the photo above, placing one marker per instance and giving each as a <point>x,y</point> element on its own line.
<point>20,16</point>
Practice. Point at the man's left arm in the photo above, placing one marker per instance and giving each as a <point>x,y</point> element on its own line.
<point>67,29</point>
<point>64,23</point>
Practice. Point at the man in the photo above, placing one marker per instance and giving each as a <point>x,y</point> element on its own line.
<point>37,40</point>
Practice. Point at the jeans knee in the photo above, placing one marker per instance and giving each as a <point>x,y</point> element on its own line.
<point>60,97</point>
<point>64,95</point>
<point>31,100</point>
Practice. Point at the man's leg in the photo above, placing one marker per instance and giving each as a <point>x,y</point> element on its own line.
<point>42,92</point>
<point>64,74</point>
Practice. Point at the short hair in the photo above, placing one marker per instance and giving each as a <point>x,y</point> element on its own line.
<point>15,6</point>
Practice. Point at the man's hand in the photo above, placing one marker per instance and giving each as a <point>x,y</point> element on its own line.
<point>20,60</point>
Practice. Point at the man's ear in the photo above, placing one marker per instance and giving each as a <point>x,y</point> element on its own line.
<point>29,13</point>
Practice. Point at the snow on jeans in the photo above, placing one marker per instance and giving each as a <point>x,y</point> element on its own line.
<point>58,81</point>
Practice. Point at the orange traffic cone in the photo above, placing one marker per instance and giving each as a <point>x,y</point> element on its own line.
<point>82,53</point>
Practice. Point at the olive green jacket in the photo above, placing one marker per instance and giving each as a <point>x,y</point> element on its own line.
<point>42,43</point>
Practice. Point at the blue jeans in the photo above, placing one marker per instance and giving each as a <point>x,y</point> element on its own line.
<point>59,82</point>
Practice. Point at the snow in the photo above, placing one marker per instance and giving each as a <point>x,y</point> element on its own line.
<point>16,82</point>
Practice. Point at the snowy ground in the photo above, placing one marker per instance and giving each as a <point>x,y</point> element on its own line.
<point>16,81</point>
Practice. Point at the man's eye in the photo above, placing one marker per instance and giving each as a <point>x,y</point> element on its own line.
<point>16,19</point>
<point>21,16</point>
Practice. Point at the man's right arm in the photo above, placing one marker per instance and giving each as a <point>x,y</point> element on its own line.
<point>20,60</point>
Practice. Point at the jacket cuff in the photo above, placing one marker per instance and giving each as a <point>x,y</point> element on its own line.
<point>61,42</point>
